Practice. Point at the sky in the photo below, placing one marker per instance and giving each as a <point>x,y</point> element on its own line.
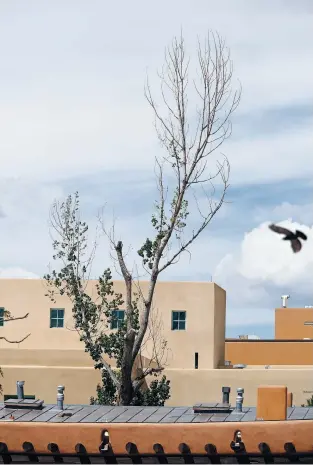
<point>73,117</point>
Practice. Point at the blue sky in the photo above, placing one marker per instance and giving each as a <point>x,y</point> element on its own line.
<point>73,117</point>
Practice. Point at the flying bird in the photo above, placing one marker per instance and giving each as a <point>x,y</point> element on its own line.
<point>290,236</point>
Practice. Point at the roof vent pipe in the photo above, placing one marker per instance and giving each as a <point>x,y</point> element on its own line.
<point>60,398</point>
<point>284,299</point>
<point>226,392</point>
<point>20,389</point>
<point>239,400</point>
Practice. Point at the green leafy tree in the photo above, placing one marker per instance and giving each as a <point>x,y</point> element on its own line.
<point>309,402</point>
<point>107,393</point>
<point>189,140</point>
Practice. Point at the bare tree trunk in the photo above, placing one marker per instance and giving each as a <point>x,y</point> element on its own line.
<point>126,388</point>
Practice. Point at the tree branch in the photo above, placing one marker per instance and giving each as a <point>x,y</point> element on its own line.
<point>14,342</point>
<point>16,318</point>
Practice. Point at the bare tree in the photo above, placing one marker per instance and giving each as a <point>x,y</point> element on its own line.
<point>186,157</point>
<point>182,174</point>
<point>7,317</point>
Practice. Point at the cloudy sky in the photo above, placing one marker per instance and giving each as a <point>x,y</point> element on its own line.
<point>73,117</point>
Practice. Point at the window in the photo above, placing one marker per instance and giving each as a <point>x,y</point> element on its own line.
<point>56,318</point>
<point>196,360</point>
<point>178,321</point>
<point>117,318</point>
<point>1,316</point>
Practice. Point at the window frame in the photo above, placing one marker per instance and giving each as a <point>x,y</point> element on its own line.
<point>57,318</point>
<point>2,312</point>
<point>118,321</point>
<point>179,320</point>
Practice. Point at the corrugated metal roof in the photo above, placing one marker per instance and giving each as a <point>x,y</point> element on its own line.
<point>110,414</point>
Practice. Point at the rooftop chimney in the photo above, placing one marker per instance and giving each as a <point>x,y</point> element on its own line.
<point>20,389</point>
<point>284,299</point>
<point>60,398</point>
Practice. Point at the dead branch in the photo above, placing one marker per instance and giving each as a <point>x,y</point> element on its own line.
<point>187,154</point>
<point>14,342</point>
<point>16,318</point>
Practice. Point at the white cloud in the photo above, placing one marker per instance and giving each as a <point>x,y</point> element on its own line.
<point>267,258</point>
<point>79,106</point>
<point>261,268</point>
<point>24,232</point>
<point>299,213</point>
<point>17,273</point>
<point>270,158</point>
<point>72,105</point>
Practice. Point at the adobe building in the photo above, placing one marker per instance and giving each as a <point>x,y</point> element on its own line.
<point>293,343</point>
<point>192,317</point>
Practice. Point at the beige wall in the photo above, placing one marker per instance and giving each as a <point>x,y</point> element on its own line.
<point>278,352</point>
<point>219,327</point>
<point>197,299</point>
<point>60,347</point>
<point>42,381</point>
<point>206,386</point>
<point>289,323</point>
<point>187,386</point>
<point>50,357</point>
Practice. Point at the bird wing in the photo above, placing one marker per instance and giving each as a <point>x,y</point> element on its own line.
<point>296,245</point>
<point>279,229</point>
<point>301,235</point>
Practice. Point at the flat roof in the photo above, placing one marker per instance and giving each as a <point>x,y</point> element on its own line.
<point>266,340</point>
<point>111,414</point>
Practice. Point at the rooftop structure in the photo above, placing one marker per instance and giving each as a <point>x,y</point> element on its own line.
<point>93,434</point>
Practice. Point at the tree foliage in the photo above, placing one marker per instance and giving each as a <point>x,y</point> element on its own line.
<point>155,395</point>
<point>93,317</point>
<point>309,402</point>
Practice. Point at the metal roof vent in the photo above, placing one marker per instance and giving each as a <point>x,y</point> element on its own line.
<point>20,402</point>
<point>284,299</point>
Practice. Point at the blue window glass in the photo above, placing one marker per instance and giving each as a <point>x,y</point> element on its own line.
<point>1,316</point>
<point>118,317</point>
<point>178,321</point>
<point>56,318</point>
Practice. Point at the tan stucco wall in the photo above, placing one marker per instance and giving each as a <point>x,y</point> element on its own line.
<point>80,382</point>
<point>187,386</point>
<point>206,386</point>
<point>219,327</point>
<point>50,357</point>
<point>204,323</point>
<point>269,353</point>
<point>289,323</point>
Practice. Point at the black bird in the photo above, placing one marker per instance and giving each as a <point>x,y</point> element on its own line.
<point>290,236</point>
